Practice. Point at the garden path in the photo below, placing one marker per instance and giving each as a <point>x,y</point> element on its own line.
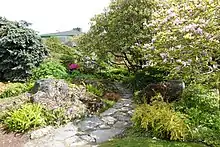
<point>89,131</point>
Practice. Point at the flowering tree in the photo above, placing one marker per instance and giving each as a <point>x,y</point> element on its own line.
<point>180,35</point>
<point>185,37</point>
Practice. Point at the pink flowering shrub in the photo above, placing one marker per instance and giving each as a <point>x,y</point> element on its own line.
<point>72,66</point>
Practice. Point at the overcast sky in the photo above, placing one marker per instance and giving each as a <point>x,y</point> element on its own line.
<point>48,16</point>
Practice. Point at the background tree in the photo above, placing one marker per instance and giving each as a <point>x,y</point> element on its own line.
<point>114,32</point>
<point>20,50</point>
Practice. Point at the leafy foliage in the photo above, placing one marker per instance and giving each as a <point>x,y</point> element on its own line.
<point>107,104</point>
<point>50,68</point>
<point>202,107</point>
<point>161,120</point>
<point>115,74</point>
<point>30,116</point>
<point>148,75</point>
<point>61,52</point>
<point>55,117</point>
<point>114,33</point>
<point>27,117</point>
<point>15,89</point>
<point>199,97</point>
<point>94,90</point>
<point>21,49</point>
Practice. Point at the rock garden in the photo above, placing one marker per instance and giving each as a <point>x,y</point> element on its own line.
<point>145,74</point>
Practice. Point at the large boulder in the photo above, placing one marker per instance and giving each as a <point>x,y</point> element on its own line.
<point>169,90</point>
<point>54,94</point>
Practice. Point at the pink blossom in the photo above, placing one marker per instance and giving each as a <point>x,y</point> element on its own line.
<point>73,66</point>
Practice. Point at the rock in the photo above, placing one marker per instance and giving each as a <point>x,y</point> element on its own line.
<point>120,124</point>
<point>91,130</point>
<point>127,96</point>
<point>105,135</point>
<point>89,123</point>
<point>54,94</point>
<point>108,112</point>
<point>13,102</point>
<point>104,126</point>
<point>88,138</point>
<point>170,91</point>
<point>41,132</point>
<point>125,109</point>
<point>53,88</point>
<point>109,120</point>
<point>50,92</point>
<point>71,140</point>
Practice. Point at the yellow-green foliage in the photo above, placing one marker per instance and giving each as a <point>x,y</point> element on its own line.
<point>161,121</point>
<point>24,118</point>
<point>94,90</point>
<point>14,89</point>
<point>30,116</point>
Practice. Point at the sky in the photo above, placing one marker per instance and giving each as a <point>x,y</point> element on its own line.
<point>49,16</point>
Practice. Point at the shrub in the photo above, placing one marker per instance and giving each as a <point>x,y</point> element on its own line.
<point>55,117</point>
<point>148,75</point>
<point>30,116</point>
<point>199,97</point>
<point>202,107</point>
<point>107,104</point>
<point>115,74</point>
<point>161,120</point>
<point>15,89</point>
<point>60,51</point>
<point>49,69</point>
<point>20,50</point>
<point>27,117</point>
<point>94,90</point>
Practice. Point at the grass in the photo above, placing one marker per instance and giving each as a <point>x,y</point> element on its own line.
<point>147,142</point>
<point>136,138</point>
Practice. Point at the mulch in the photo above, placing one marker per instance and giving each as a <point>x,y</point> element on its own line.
<point>12,139</point>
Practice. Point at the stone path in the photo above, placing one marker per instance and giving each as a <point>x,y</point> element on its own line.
<point>91,130</point>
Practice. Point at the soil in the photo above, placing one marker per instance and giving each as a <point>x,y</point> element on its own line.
<point>2,87</point>
<point>12,139</point>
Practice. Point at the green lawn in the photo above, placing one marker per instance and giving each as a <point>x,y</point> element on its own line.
<point>146,142</point>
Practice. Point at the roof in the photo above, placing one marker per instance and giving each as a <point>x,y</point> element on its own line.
<point>65,33</point>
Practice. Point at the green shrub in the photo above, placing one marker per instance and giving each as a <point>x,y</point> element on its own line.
<point>115,74</point>
<point>15,89</point>
<point>30,116</point>
<point>55,117</point>
<point>107,104</point>
<point>27,117</point>
<point>208,136</point>
<point>202,107</point>
<point>161,120</point>
<point>21,49</point>
<point>148,75</point>
<point>199,97</point>
<point>49,69</point>
<point>94,90</point>
<point>60,51</point>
